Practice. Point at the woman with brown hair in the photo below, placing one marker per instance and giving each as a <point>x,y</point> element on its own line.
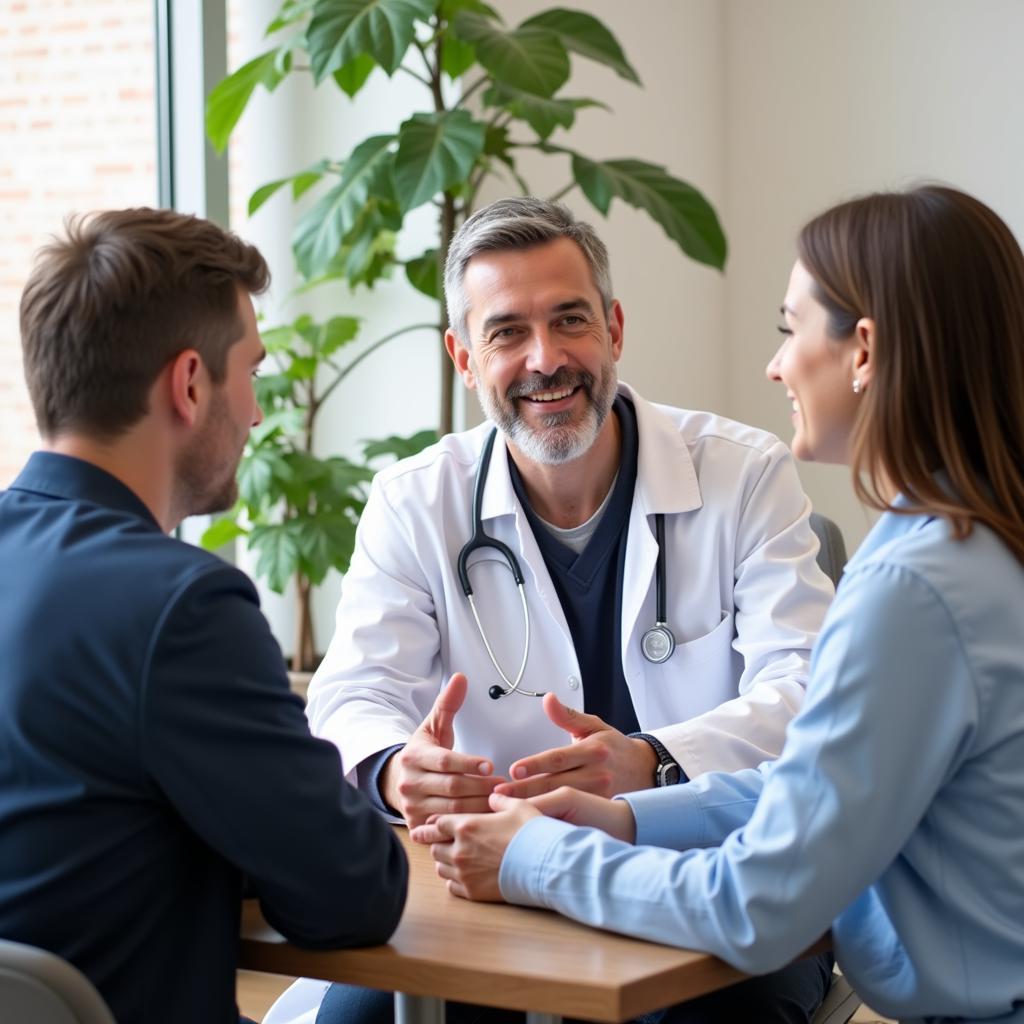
<point>894,815</point>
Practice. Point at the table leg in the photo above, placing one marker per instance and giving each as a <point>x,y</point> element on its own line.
<point>429,1010</point>
<point>418,1009</point>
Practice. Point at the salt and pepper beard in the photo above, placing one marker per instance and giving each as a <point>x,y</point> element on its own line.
<point>556,441</point>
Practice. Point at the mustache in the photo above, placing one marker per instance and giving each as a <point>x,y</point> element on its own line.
<point>563,378</point>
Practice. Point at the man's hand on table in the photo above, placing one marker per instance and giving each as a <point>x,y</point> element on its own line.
<point>599,760</point>
<point>468,848</point>
<point>426,777</point>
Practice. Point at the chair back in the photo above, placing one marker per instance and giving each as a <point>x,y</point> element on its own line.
<point>40,987</point>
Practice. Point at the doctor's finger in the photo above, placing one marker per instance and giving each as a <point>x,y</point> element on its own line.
<point>558,759</point>
<point>441,720</point>
<point>428,758</point>
<point>577,723</point>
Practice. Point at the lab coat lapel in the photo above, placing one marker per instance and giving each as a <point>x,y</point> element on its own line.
<point>502,515</point>
<point>666,482</point>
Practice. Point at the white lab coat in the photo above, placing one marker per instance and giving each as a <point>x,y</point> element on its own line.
<point>745,601</point>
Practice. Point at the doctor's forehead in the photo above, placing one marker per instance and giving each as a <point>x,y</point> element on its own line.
<point>549,274</point>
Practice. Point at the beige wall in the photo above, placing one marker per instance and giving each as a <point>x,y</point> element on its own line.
<point>826,100</point>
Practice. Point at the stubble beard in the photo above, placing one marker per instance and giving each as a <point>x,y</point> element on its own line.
<point>557,440</point>
<point>205,477</point>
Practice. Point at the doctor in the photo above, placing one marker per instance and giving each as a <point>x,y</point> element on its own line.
<point>602,500</point>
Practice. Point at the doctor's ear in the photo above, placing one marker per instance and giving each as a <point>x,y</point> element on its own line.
<point>460,357</point>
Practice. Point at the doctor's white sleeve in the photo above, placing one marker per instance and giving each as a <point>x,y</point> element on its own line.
<point>382,671</point>
<point>780,597</point>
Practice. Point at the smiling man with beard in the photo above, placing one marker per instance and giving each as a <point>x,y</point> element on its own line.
<point>669,597</point>
<point>152,757</point>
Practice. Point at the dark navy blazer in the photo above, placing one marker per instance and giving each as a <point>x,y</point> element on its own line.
<point>152,757</point>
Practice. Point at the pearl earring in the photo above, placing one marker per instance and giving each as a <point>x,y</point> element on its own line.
<point>856,385</point>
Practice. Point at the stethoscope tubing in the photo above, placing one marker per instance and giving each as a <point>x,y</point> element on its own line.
<point>663,641</point>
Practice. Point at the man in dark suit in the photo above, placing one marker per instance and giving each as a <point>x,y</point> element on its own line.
<point>152,759</point>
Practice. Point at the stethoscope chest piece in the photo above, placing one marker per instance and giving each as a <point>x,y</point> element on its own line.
<point>658,643</point>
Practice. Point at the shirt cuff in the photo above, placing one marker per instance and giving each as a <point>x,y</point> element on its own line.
<point>521,875</point>
<point>368,773</point>
<point>671,818</point>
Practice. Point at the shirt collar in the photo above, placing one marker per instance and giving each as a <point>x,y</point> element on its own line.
<point>64,476</point>
<point>666,480</point>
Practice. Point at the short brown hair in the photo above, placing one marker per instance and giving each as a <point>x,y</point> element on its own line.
<point>943,279</point>
<point>107,306</point>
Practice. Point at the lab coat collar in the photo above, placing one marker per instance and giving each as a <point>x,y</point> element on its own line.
<point>666,480</point>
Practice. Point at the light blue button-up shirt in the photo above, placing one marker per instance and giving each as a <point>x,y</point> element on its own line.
<point>895,814</point>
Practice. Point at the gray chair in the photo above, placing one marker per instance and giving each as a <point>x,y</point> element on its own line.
<point>41,988</point>
<point>840,1004</point>
<point>832,553</point>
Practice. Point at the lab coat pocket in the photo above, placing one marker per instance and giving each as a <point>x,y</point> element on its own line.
<point>700,675</point>
<point>710,645</point>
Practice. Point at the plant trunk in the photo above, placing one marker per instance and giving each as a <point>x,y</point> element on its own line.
<point>445,424</point>
<point>304,656</point>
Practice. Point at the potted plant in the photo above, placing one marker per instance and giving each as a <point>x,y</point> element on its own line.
<point>491,93</point>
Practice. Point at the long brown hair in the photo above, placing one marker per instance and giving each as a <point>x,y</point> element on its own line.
<point>943,279</point>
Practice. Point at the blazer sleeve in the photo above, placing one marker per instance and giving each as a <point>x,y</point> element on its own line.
<point>780,597</point>
<point>228,745</point>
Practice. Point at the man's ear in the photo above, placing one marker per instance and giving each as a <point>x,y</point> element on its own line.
<point>187,380</point>
<point>616,325</point>
<point>460,357</point>
<point>864,353</point>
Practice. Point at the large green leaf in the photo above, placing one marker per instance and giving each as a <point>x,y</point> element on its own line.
<point>683,213</point>
<point>290,12</point>
<point>284,421</point>
<point>231,95</point>
<point>399,447</point>
<point>320,231</point>
<point>352,76</point>
<point>543,114</point>
<point>585,35</point>
<point>260,476</point>
<point>301,182</point>
<point>435,152</point>
<point>220,532</point>
<point>422,273</point>
<point>278,548</point>
<point>338,331</point>
<point>531,59</point>
<point>341,30</point>
<point>326,541</point>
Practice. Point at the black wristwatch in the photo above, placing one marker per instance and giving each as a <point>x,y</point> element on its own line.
<point>667,772</point>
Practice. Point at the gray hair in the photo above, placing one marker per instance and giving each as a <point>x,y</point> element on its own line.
<point>518,223</point>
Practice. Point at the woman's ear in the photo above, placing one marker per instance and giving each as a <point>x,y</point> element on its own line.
<point>864,351</point>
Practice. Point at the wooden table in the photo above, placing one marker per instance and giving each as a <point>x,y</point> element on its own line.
<point>495,955</point>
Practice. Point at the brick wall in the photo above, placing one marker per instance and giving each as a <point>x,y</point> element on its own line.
<point>77,132</point>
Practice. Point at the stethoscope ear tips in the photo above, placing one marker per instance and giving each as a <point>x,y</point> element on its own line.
<point>496,692</point>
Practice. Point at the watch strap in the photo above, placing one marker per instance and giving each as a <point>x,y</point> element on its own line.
<point>668,771</point>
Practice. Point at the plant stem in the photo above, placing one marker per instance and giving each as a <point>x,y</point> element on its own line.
<point>482,80</point>
<point>367,352</point>
<point>447,230</point>
<point>419,78</point>
<point>561,192</point>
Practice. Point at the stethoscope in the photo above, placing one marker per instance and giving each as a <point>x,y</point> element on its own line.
<point>657,643</point>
